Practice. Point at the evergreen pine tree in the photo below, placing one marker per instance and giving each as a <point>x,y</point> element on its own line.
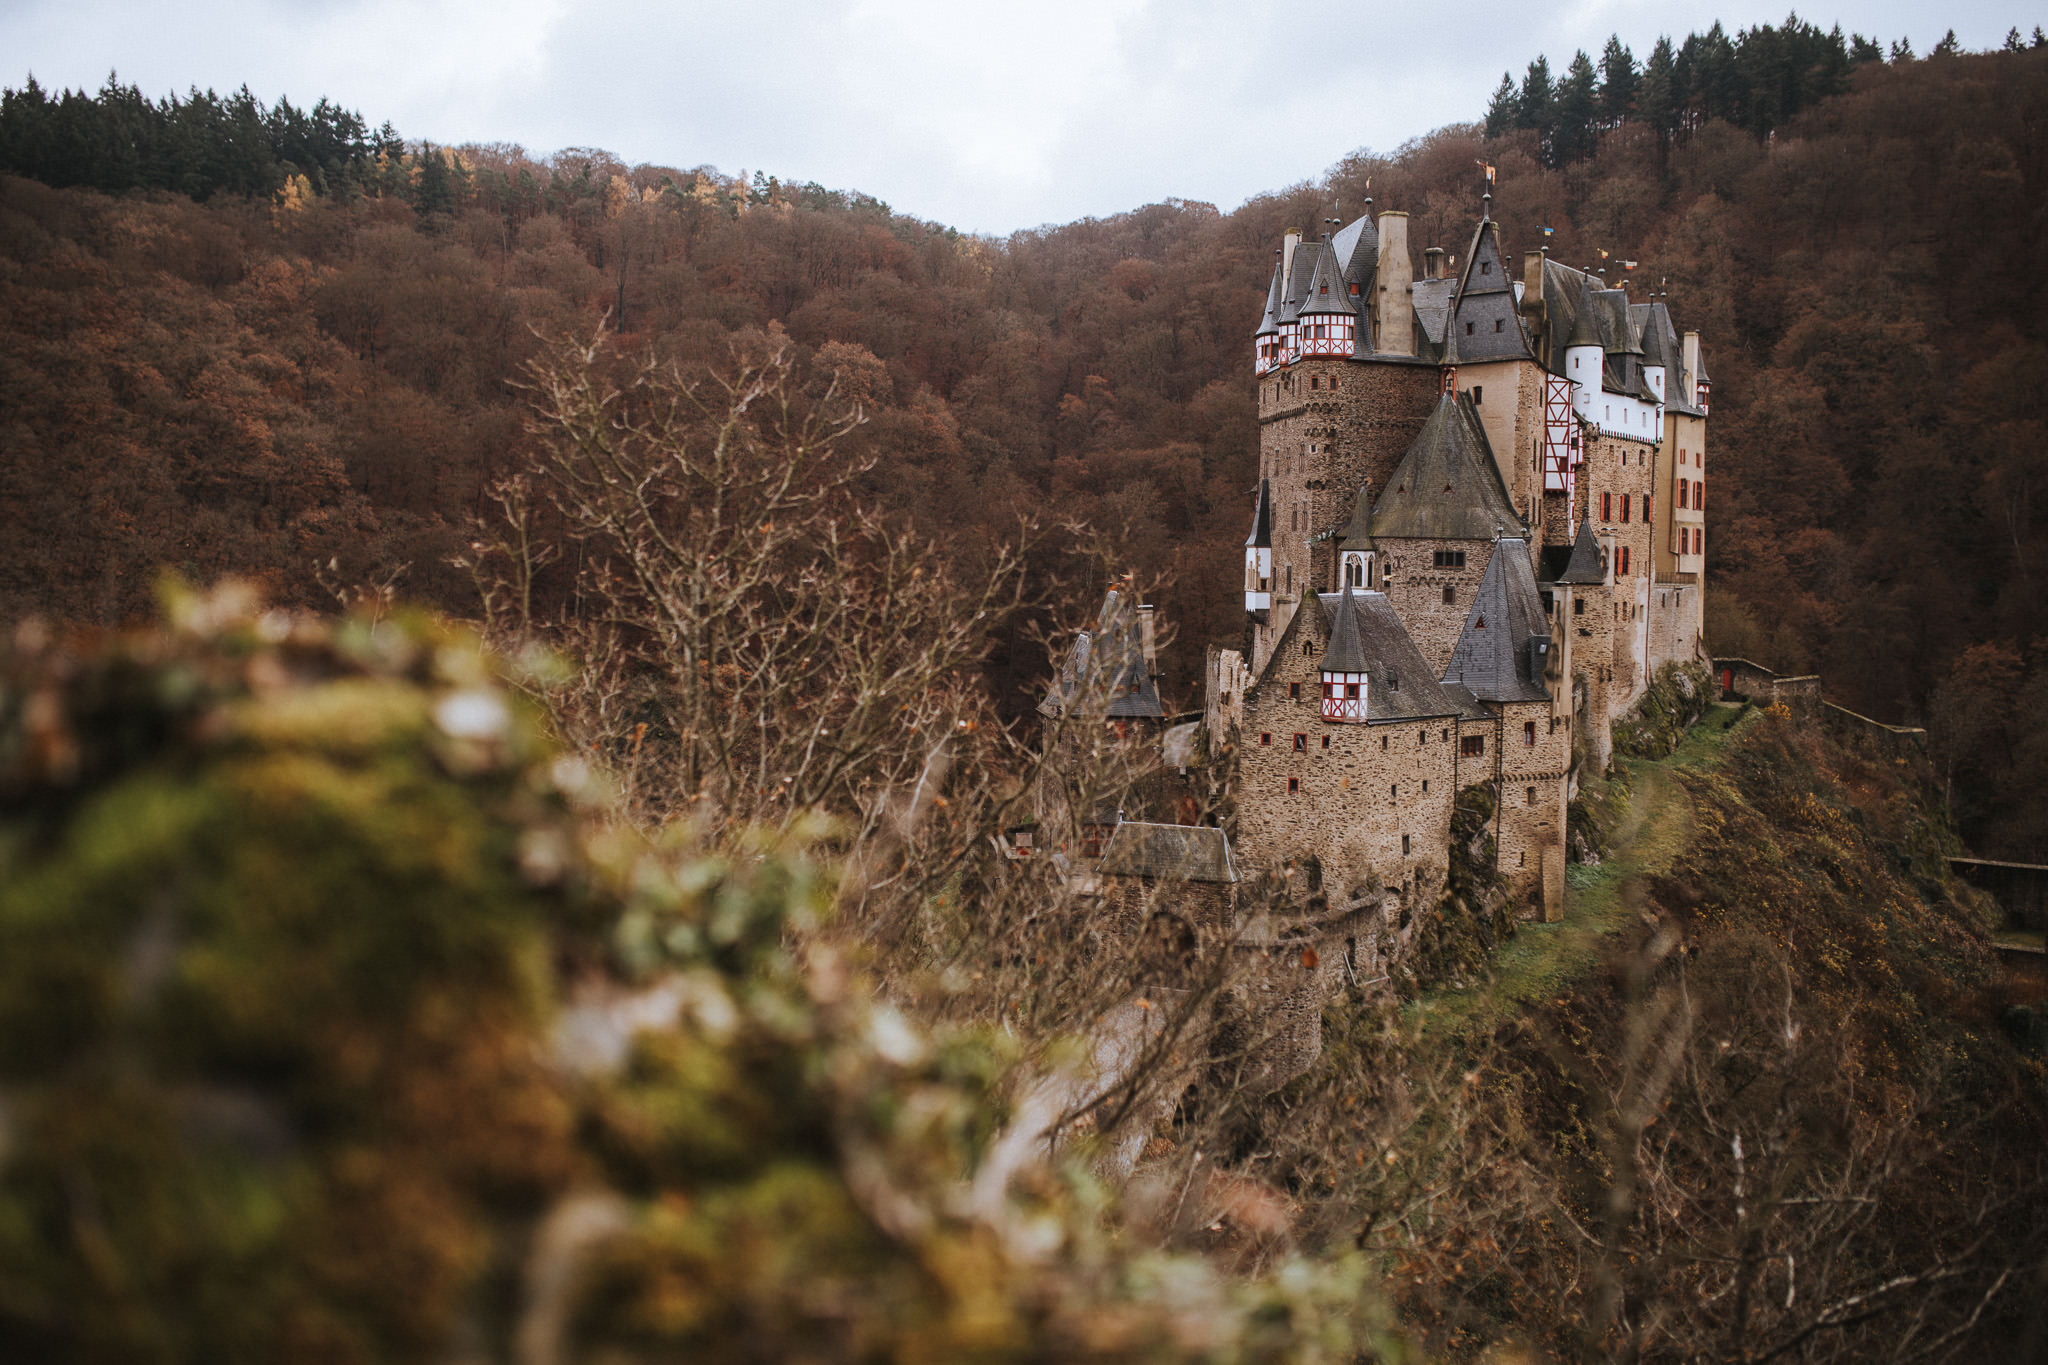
<point>1948,46</point>
<point>2012,40</point>
<point>1618,82</point>
<point>1862,49</point>
<point>1657,95</point>
<point>1578,111</point>
<point>1500,113</point>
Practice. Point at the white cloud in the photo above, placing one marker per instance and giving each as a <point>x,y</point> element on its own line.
<point>987,117</point>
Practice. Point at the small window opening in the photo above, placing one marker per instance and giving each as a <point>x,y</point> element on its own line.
<point>1468,329</point>
<point>1266,737</point>
<point>1301,744</point>
<point>1472,746</point>
<point>1404,845</point>
<point>1293,785</point>
<point>1294,691</point>
<point>1532,796</point>
<point>1326,741</point>
<point>1450,595</point>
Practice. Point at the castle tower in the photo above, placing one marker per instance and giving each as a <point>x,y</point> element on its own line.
<point>1258,555</point>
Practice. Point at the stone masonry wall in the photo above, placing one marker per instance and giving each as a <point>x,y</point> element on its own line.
<point>1415,587</point>
<point>1356,799</point>
<point>1532,796</point>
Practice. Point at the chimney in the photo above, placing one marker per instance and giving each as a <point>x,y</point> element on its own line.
<point>1689,351</point>
<point>1147,639</point>
<point>1292,240</point>
<point>1394,287</point>
<point>1433,263</point>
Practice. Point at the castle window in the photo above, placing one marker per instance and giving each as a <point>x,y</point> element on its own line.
<point>1624,508</point>
<point>1529,733</point>
<point>1472,746</point>
<point>1308,647</point>
<point>1578,606</point>
<point>1522,858</point>
<point>1486,267</point>
<point>1682,484</point>
<point>1266,737</point>
<point>1480,624</point>
<point>1301,744</point>
<point>1500,324</point>
<point>1476,391</point>
<point>1294,691</point>
<point>1607,507</point>
<point>1404,845</point>
<point>1393,683</point>
<point>1447,734</point>
<point>1326,741</point>
<point>1646,509</point>
<point>1315,383</point>
<point>1333,381</point>
<point>1468,329</point>
<point>1447,559</point>
<point>1450,595</point>
<point>1394,791</point>
<point>1383,741</point>
<point>1293,785</point>
<point>1532,796</point>
<point>1425,786</point>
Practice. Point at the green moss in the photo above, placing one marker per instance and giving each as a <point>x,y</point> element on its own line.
<point>1678,695</point>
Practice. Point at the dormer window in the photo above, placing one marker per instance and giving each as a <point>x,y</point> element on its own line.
<point>1486,267</point>
<point>1344,696</point>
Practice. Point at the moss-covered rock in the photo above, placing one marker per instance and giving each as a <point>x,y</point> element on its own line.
<point>339,1022</point>
<point>1678,695</point>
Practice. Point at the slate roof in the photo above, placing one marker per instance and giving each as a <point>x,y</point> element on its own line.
<point>1357,533</point>
<point>1486,324</point>
<point>1261,537</point>
<point>1106,668</point>
<point>1468,704</point>
<point>1588,563</point>
<point>1433,299</point>
<point>1357,245</point>
<point>1492,656</point>
<point>1269,325</point>
<point>1294,288</point>
<point>1447,487</point>
<point>1400,683</point>
<point>1345,653</point>
<point>1327,290</point>
<point>1188,853</point>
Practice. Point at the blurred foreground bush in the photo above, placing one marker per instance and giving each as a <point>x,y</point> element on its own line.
<point>337,1023</point>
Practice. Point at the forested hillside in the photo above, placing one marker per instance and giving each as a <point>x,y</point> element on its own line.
<point>318,363</point>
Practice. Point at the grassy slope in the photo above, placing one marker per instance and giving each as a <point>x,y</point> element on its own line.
<point>1655,830</point>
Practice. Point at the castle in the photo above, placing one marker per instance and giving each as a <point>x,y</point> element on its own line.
<point>1478,531</point>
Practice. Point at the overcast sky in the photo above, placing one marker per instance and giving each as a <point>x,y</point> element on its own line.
<point>986,117</point>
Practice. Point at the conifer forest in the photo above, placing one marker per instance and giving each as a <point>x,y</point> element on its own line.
<point>520,686</point>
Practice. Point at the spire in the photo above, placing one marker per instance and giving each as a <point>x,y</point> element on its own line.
<point>1587,564</point>
<point>1357,534</point>
<point>1585,330</point>
<point>1269,325</point>
<point>1346,652</point>
<point>1261,537</point>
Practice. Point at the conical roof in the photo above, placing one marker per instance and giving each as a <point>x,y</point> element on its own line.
<point>1585,325</point>
<point>1447,487</point>
<point>1492,659</point>
<point>1269,325</point>
<point>1588,562</point>
<point>1261,537</point>
<point>1106,668</point>
<point>1327,290</point>
<point>1346,653</point>
<point>1357,533</point>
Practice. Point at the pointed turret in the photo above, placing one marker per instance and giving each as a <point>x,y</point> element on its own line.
<point>1266,341</point>
<point>1356,553</point>
<point>1258,553</point>
<point>1344,666</point>
<point>1588,564</point>
<point>1328,315</point>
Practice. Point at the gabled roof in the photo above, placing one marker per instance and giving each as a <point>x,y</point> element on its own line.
<point>1106,669</point>
<point>1588,563</point>
<point>1261,537</point>
<point>1269,325</point>
<point>1187,853</point>
<point>1492,657</point>
<point>1486,324</point>
<point>1344,654</point>
<point>1327,290</point>
<point>1357,533</point>
<point>1447,487</point>
<point>1433,299</point>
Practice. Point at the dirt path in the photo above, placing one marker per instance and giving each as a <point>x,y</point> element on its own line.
<point>1601,900</point>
